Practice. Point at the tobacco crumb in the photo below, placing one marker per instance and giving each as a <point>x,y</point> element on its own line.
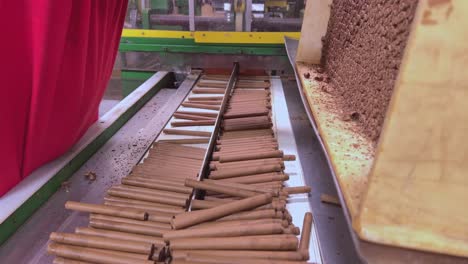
<point>318,78</point>
<point>90,176</point>
<point>307,75</point>
<point>66,186</point>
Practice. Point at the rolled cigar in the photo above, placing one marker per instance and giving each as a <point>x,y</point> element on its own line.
<point>253,215</point>
<point>284,223</point>
<point>229,173</point>
<point>107,210</point>
<point>226,231</point>
<point>60,260</point>
<point>236,243</point>
<point>217,155</point>
<point>143,205</point>
<point>129,221</point>
<point>208,90</point>
<point>246,114</point>
<point>171,131</point>
<point>249,156</point>
<point>201,106</point>
<point>253,133</point>
<point>168,180</point>
<point>203,98</point>
<point>124,227</point>
<point>191,117</point>
<point>246,126</point>
<point>299,189</point>
<point>218,166</point>
<point>273,255</point>
<point>330,199</point>
<point>157,241</point>
<point>208,259</point>
<point>292,230</point>
<point>193,123</point>
<point>99,256</point>
<point>259,178</point>
<point>196,217</point>
<point>257,135</point>
<point>156,186</point>
<point>162,159</point>
<point>248,119</point>
<point>177,149</point>
<point>239,186</point>
<point>130,188</point>
<point>212,186</point>
<point>147,197</point>
<point>253,146</point>
<point>186,140</point>
<point>305,237</point>
<point>289,157</point>
<point>102,243</point>
<point>207,114</point>
<point>203,84</point>
<point>207,102</point>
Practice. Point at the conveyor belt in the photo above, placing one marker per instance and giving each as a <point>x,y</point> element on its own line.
<point>238,214</point>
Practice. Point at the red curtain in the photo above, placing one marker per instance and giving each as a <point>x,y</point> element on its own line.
<point>57,57</point>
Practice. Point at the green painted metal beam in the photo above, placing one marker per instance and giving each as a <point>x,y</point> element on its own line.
<point>13,222</point>
<point>172,45</point>
<point>136,75</point>
<point>207,49</point>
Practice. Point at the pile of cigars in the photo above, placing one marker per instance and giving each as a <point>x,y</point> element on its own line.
<point>238,214</point>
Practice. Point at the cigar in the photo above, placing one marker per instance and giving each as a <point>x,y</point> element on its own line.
<point>225,231</point>
<point>229,173</point>
<point>191,117</point>
<point>193,123</point>
<point>147,197</point>
<point>258,178</point>
<point>196,113</point>
<point>201,106</point>
<point>161,193</point>
<point>237,127</point>
<point>102,243</point>
<point>207,102</point>
<point>186,140</point>
<point>284,223</point>
<point>240,186</point>
<point>130,221</point>
<point>208,91</point>
<point>60,260</point>
<point>248,156</point>
<point>210,259</point>
<point>171,131</point>
<point>212,186</point>
<point>305,238</point>
<point>156,185</point>
<point>157,241</point>
<point>203,98</point>
<point>288,242</point>
<point>253,215</point>
<point>296,190</point>
<point>272,255</point>
<point>192,218</point>
<point>107,210</point>
<point>203,84</point>
<point>95,255</point>
<point>124,227</point>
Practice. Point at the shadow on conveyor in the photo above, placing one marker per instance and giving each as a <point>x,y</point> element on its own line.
<point>334,236</point>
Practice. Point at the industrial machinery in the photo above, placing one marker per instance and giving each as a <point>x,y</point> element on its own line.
<point>228,120</point>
